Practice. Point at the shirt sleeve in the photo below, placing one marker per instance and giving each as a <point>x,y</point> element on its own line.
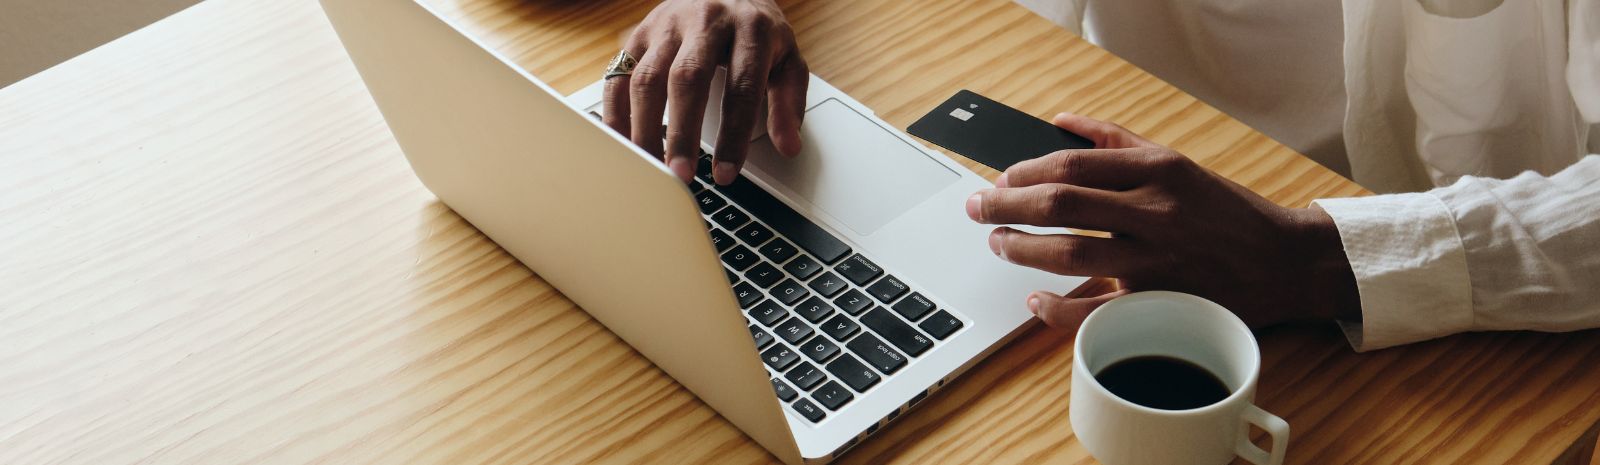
<point>1480,254</point>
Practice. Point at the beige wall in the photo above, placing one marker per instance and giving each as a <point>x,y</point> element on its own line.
<point>38,34</point>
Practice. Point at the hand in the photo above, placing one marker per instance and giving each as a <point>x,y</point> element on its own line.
<point>679,46</point>
<point>1175,226</point>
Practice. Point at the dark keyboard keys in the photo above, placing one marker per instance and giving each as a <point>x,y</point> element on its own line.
<point>793,330</point>
<point>876,353</point>
<point>754,234</point>
<point>818,349</point>
<point>941,325</point>
<point>803,267</point>
<point>702,169</point>
<point>859,270</point>
<point>853,302</point>
<point>721,239</point>
<point>732,278</point>
<point>853,373</point>
<point>763,275</point>
<point>828,284</point>
<point>747,294</point>
<point>809,410</point>
<point>709,201</point>
<point>805,376</point>
<point>778,251</point>
<point>784,392</point>
<point>810,237</point>
<point>739,258</point>
<point>913,307</point>
<point>814,309</point>
<point>730,218</point>
<point>840,328</point>
<point>832,395</point>
<point>767,312</point>
<point>779,357</point>
<point>896,331</point>
<point>761,336</point>
<point>886,289</point>
<point>789,292</point>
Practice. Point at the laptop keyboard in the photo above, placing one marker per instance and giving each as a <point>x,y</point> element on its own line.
<point>830,323</point>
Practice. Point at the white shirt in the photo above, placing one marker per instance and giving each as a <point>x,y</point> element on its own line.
<point>1408,95</point>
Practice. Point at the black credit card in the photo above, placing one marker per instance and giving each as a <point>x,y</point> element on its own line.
<point>992,133</point>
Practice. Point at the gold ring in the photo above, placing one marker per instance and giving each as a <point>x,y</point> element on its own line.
<point>621,65</point>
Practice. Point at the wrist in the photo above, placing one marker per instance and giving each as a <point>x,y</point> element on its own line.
<point>1324,267</point>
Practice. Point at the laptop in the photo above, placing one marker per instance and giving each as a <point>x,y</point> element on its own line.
<point>809,303</point>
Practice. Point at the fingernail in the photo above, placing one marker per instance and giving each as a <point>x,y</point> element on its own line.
<point>996,238</point>
<point>975,207</point>
<point>724,173</point>
<point>1000,181</point>
<point>1033,304</point>
<point>682,167</point>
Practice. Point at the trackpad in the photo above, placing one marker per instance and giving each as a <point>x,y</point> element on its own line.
<point>853,169</point>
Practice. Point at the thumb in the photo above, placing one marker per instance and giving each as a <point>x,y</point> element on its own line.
<point>1067,313</point>
<point>1104,135</point>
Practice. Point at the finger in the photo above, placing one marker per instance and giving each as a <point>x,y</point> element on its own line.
<point>1071,255</point>
<point>786,102</point>
<point>1067,312</point>
<point>1110,169</point>
<point>1104,135</point>
<point>614,109</point>
<point>688,87</point>
<point>748,70</point>
<point>647,94</point>
<point>1054,205</point>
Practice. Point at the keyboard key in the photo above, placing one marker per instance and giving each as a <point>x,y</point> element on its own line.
<point>779,357</point>
<point>818,349</point>
<point>739,258</point>
<point>790,292</point>
<point>814,309</point>
<point>833,396</point>
<point>809,410</point>
<point>793,330</point>
<point>779,251</point>
<point>761,336</point>
<point>754,234</point>
<point>732,278</point>
<point>859,270</point>
<point>828,284</point>
<point>896,331</point>
<point>721,239</point>
<point>853,302</point>
<point>805,376</point>
<point>747,294</point>
<point>840,328</point>
<point>941,325</point>
<point>702,170</point>
<point>876,353</point>
<point>913,307</point>
<point>886,289</point>
<point>697,187</point>
<point>767,312</point>
<point>730,218</point>
<point>763,275</point>
<point>784,392</point>
<point>853,373</point>
<point>709,201</point>
<point>789,224</point>
<point>803,267</point>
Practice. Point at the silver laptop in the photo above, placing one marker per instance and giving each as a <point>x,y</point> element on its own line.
<point>809,303</point>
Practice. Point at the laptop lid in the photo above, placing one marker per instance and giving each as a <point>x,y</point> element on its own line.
<point>600,220</point>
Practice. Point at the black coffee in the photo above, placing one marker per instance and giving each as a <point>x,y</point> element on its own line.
<point>1162,382</point>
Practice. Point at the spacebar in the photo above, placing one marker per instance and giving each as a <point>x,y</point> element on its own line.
<point>789,223</point>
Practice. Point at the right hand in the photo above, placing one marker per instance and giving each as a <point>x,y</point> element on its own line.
<point>679,45</point>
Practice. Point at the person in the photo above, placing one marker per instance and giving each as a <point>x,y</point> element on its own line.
<point>1477,253</point>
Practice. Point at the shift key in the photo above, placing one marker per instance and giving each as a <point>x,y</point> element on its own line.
<point>896,331</point>
<point>877,353</point>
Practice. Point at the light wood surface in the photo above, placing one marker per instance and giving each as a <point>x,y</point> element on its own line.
<point>213,252</point>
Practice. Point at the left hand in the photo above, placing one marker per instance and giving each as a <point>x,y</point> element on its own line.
<point>1176,226</point>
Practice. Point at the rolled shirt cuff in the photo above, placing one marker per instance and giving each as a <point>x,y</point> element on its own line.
<point>1410,268</point>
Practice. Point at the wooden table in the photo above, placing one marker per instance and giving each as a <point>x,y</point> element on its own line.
<point>211,251</point>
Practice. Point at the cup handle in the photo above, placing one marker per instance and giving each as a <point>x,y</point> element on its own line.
<point>1274,426</point>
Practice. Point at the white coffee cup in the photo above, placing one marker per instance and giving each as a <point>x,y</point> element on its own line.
<point>1119,432</point>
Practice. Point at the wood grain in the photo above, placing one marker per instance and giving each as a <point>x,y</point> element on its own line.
<point>213,252</point>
